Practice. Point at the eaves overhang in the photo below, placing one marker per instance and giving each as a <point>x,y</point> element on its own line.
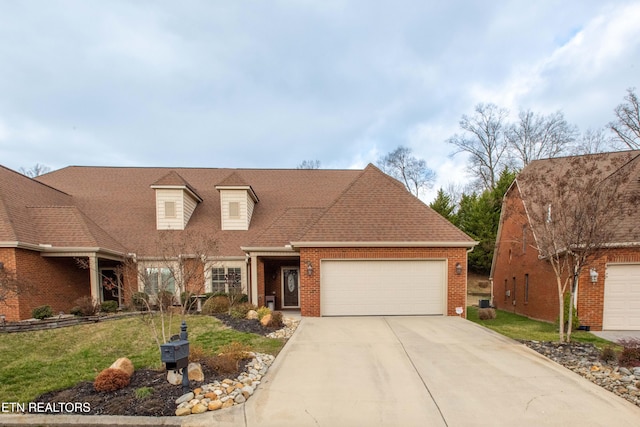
<point>404,244</point>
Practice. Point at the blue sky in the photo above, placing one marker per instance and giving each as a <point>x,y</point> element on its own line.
<point>268,84</point>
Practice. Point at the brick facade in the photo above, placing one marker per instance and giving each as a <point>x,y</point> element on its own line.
<point>517,267</point>
<point>310,285</point>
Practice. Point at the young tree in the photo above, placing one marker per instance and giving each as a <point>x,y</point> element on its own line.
<point>536,136</point>
<point>171,277</point>
<point>626,126</point>
<point>409,170</point>
<point>484,141</point>
<point>576,208</point>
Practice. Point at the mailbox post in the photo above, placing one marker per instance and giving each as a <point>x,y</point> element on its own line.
<point>175,355</point>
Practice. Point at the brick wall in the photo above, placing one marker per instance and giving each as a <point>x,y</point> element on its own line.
<point>516,260</point>
<point>10,307</point>
<point>310,285</point>
<point>57,282</point>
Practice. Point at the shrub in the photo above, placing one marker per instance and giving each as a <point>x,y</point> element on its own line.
<point>76,311</point>
<point>236,350</point>
<point>239,311</point>
<point>165,299</point>
<point>215,305</point>
<point>263,311</point>
<point>87,306</point>
<point>486,314</point>
<point>42,312</point>
<point>188,300</point>
<point>140,301</point>
<point>109,306</point>
<point>198,354</point>
<point>630,355</point>
<point>276,320</point>
<point>111,379</point>
<point>608,354</point>
<point>222,364</point>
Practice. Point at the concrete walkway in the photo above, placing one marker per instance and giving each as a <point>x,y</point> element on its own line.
<point>409,371</point>
<point>615,336</point>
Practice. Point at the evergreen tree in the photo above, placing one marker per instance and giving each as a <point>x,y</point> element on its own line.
<point>443,205</point>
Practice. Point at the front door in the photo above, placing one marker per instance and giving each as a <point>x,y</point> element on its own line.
<point>290,287</point>
<point>111,285</point>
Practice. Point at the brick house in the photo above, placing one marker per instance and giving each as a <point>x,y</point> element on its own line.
<point>525,283</point>
<point>325,242</point>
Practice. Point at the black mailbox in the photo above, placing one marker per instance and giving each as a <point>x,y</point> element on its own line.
<point>175,354</point>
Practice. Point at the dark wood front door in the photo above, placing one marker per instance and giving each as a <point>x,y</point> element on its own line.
<point>290,287</point>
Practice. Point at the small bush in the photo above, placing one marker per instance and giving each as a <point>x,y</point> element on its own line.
<point>239,311</point>
<point>216,305</point>
<point>42,312</point>
<point>76,311</point>
<point>236,350</point>
<point>276,320</point>
<point>486,314</point>
<point>144,392</point>
<point>87,306</point>
<point>263,311</point>
<point>111,379</point>
<point>189,301</point>
<point>222,364</point>
<point>198,354</point>
<point>630,355</point>
<point>608,354</point>
<point>165,299</point>
<point>140,301</point>
<point>109,307</point>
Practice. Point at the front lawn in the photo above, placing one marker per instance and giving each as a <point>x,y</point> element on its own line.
<point>522,328</point>
<point>32,363</point>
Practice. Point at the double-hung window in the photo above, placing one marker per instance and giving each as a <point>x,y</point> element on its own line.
<point>159,279</point>
<point>223,279</point>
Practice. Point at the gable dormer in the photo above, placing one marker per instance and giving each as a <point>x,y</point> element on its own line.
<point>175,202</point>
<point>237,200</point>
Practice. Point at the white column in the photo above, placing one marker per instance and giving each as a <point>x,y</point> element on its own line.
<point>254,279</point>
<point>94,275</point>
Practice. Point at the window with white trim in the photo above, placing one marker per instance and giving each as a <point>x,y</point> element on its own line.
<point>234,210</point>
<point>222,278</point>
<point>159,279</point>
<point>169,209</point>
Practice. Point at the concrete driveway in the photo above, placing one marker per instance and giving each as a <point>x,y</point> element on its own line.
<point>419,371</point>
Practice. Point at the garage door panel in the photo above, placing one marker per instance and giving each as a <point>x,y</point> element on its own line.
<point>622,297</point>
<point>389,287</point>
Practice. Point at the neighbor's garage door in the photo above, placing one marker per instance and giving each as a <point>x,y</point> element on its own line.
<point>382,287</point>
<point>622,297</point>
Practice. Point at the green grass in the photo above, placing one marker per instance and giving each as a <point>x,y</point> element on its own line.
<point>32,363</point>
<point>522,328</point>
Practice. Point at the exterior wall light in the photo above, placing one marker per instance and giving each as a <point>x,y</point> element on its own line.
<point>458,268</point>
<point>309,268</point>
<point>594,275</point>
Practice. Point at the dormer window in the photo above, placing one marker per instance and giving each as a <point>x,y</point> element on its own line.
<point>175,202</point>
<point>237,201</point>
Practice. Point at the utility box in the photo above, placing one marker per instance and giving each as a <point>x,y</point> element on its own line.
<point>175,354</point>
<point>270,301</point>
<point>484,303</point>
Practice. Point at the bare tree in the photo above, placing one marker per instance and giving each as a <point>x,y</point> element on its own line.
<point>576,210</point>
<point>593,141</point>
<point>484,141</point>
<point>408,169</point>
<point>536,136</point>
<point>626,126</point>
<point>10,287</point>
<point>172,277</point>
<point>35,170</point>
<point>309,164</point>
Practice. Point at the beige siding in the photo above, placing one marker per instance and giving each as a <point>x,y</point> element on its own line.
<point>241,197</point>
<point>189,206</point>
<point>250,206</point>
<point>169,195</point>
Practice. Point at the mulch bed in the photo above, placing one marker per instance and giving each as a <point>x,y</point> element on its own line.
<point>161,402</point>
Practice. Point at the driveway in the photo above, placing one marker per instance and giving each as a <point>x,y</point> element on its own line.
<point>419,371</point>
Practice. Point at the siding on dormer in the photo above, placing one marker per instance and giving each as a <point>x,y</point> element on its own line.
<point>245,204</point>
<point>169,223</point>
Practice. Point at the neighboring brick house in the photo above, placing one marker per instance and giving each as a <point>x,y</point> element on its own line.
<point>326,242</point>
<point>525,283</point>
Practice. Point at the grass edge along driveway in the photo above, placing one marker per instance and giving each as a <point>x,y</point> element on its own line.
<point>32,363</point>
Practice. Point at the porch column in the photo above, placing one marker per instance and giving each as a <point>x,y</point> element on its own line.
<point>254,279</point>
<point>94,275</point>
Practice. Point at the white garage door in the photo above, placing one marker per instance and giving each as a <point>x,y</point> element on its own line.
<point>622,297</point>
<point>382,287</point>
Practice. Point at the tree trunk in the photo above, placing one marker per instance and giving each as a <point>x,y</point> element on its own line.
<point>561,311</point>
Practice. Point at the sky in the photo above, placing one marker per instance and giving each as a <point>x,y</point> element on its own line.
<point>269,84</point>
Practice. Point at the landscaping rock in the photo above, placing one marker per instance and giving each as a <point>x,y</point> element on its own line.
<point>185,398</point>
<point>266,320</point>
<point>252,315</point>
<point>214,405</point>
<point>174,377</point>
<point>195,372</point>
<point>199,408</point>
<point>180,412</point>
<point>123,364</point>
